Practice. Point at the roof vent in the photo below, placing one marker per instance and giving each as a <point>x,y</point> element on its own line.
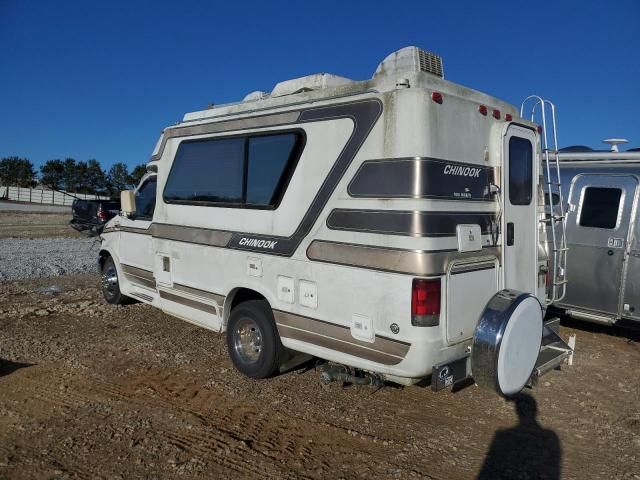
<point>316,81</point>
<point>576,148</point>
<point>410,59</point>
<point>614,142</point>
<point>255,95</point>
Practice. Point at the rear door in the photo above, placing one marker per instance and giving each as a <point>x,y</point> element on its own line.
<point>597,236</point>
<point>519,219</point>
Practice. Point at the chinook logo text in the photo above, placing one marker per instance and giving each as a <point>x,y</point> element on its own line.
<point>462,171</point>
<point>254,242</point>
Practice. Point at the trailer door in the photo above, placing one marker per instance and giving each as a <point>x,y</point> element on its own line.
<point>519,219</point>
<point>597,230</point>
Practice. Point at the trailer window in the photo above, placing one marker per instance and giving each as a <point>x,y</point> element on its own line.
<point>246,172</point>
<point>269,157</point>
<point>520,171</point>
<point>207,171</point>
<point>600,207</point>
<point>146,199</point>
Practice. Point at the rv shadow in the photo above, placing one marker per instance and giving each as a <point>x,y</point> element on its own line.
<point>626,329</point>
<point>7,367</point>
<point>526,451</point>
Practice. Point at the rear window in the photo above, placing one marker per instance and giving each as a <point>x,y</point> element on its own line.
<point>520,171</point>
<point>600,207</point>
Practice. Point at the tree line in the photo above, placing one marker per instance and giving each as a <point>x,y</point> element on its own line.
<point>70,175</point>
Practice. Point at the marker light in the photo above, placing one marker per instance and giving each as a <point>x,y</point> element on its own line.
<point>437,97</point>
<point>508,117</point>
<point>496,114</point>
<point>483,110</point>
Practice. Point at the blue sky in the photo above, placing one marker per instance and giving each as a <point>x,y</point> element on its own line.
<point>100,80</point>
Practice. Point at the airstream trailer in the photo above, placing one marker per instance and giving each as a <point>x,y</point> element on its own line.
<point>390,225</point>
<point>602,234</point>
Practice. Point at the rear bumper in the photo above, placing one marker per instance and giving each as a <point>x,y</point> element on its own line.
<point>554,351</point>
<point>90,229</point>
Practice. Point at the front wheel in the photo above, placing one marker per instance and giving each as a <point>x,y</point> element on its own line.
<point>253,341</point>
<point>111,285</point>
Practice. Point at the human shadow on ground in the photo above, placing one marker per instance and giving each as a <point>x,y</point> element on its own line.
<point>526,451</point>
<point>7,366</point>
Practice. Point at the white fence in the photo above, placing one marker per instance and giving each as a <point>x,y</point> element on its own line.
<point>46,197</point>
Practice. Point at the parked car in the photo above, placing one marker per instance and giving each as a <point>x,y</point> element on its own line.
<point>89,216</point>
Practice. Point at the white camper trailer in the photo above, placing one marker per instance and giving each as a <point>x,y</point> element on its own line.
<point>390,225</point>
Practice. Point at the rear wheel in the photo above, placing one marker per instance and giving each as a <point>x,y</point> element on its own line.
<point>253,341</point>
<point>111,285</point>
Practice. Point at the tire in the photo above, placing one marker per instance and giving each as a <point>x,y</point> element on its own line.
<point>253,341</point>
<point>110,284</point>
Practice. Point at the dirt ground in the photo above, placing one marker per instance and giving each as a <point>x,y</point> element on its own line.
<point>35,225</point>
<point>89,390</point>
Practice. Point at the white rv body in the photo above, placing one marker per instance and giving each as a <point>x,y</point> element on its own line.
<point>394,180</point>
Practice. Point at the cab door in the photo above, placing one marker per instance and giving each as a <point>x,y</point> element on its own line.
<point>597,236</point>
<point>519,217</point>
<point>136,255</point>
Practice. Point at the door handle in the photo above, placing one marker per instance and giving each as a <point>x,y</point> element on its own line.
<point>510,228</point>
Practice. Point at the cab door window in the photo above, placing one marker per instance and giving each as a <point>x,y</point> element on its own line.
<point>146,199</point>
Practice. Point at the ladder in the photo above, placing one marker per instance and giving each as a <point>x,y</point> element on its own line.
<point>554,218</point>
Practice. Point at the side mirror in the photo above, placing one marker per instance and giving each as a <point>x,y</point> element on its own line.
<point>128,202</point>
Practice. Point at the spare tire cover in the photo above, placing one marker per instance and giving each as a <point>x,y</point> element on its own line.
<point>506,341</point>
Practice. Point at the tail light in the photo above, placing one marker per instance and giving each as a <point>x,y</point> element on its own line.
<point>102,215</point>
<point>425,302</point>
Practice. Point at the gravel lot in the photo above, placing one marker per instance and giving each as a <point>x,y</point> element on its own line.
<point>36,244</point>
<point>46,257</point>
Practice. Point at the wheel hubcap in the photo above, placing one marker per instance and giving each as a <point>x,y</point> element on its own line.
<point>247,340</point>
<point>110,281</point>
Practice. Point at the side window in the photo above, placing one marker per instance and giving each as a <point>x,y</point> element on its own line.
<point>520,171</point>
<point>269,157</point>
<point>207,171</point>
<point>600,207</point>
<point>146,199</point>
<point>249,171</point>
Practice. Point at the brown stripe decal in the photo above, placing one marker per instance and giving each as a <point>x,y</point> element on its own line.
<point>140,231</point>
<point>270,120</point>
<point>139,276</point>
<point>219,299</point>
<point>201,236</point>
<point>416,262</point>
<point>422,177</point>
<point>410,223</point>
<point>188,302</point>
<point>336,337</point>
<point>138,272</point>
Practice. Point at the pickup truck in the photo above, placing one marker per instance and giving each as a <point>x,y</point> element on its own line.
<point>89,216</point>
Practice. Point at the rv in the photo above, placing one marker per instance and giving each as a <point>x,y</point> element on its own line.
<point>389,226</point>
<point>602,234</point>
